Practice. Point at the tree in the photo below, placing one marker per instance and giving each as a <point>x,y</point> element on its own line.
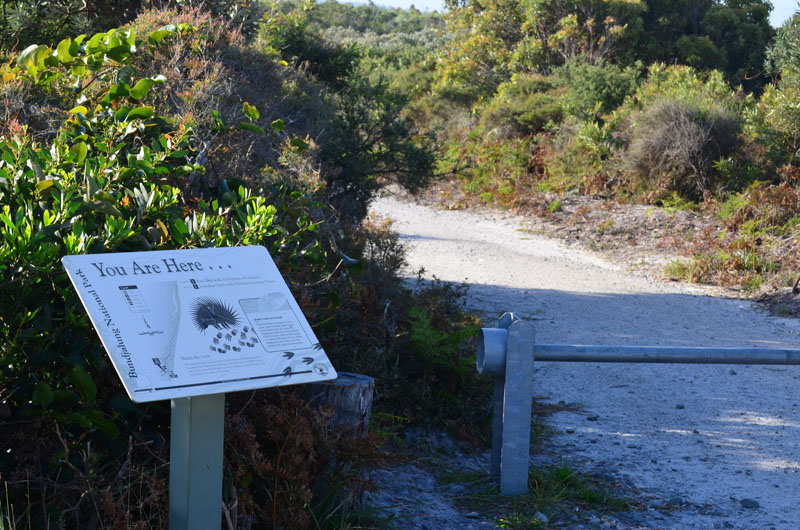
<point>496,38</point>
<point>740,29</point>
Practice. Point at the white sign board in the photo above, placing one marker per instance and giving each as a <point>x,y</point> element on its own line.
<point>192,322</point>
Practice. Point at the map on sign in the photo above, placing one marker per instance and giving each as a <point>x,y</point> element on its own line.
<point>192,322</point>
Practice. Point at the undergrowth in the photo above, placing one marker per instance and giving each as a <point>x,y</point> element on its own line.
<point>558,492</point>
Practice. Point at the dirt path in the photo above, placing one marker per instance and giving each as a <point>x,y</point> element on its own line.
<point>722,442</point>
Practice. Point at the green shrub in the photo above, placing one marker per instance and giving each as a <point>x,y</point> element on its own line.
<point>524,105</point>
<point>701,53</point>
<point>110,180</point>
<point>593,90</point>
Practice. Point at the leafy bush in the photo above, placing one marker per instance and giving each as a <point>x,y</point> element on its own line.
<point>112,180</point>
<point>143,127</point>
<point>675,145</point>
<point>525,105</point>
<point>288,36</point>
<point>595,89</point>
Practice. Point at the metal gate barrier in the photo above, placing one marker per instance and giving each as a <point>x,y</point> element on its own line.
<point>507,352</point>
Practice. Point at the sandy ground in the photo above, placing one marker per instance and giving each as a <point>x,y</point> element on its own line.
<point>705,437</point>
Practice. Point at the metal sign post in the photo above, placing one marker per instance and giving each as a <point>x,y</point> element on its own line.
<point>195,462</point>
<point>188,326</point>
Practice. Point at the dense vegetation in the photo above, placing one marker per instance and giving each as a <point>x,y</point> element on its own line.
<point>667,102</point>
<point>180,130</point>
<point>274,124</point>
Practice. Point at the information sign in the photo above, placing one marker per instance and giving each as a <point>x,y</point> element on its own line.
<point>194,322</point>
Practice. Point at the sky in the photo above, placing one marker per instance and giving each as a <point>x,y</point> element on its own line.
<point>782,9</point>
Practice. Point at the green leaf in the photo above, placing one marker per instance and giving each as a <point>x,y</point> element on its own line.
<point>116,92</point>
<point>107,427</point>
<point>141,113</point>
<point>105,207</point>
<point>79,419</point>
<point>102,424</point>
<point>63,51</point>
<point>299,144</point>
<point>42,394</point>
<point>30,57</point>
<point>124,75</point>
<point>80,109</point>
<point>250,111</point>
<point>179,230</point>
<point>130,37</point>
<point>79,152</point>
<point>277,125</point>
<point>158,35</point>
<point>82,381</point>
<point>96,44</point>
<point>122,113</point>
<point>119,53</point>
<point>43,185</point>
<point>247,126</point>
<point>219,121</point>
<point>139,91</point>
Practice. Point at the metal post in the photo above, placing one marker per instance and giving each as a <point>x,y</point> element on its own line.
<point>195,472</point>
<point>517,409</point>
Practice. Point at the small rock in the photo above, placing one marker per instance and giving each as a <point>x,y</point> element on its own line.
<point>732,372</point>
<point>541,517</point>
<point>676,501</point>
<point>472,515</point>
<point>728,524</point>
<point>680,406</point>
<point>570,430</point>
<point>593,418</point>
<point>750,504</point>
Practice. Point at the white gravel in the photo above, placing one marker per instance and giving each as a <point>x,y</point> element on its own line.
<point>710,435</point>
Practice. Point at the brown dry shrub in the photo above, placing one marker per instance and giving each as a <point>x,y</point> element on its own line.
<point>213,68</point>
<point>22,102</point>
<point>675,144</point>
<point>772,206</point>
<point>284,456</point>
<point>97,486</point>
<point>281,455</point>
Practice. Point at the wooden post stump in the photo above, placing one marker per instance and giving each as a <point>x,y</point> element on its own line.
<point>351,396</point>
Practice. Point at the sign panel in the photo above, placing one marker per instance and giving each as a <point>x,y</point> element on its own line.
<point>183,323</point>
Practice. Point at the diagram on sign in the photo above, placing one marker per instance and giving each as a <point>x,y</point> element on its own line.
<point>195,335</point>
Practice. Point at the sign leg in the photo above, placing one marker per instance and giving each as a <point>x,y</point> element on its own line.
<point>195,472</point>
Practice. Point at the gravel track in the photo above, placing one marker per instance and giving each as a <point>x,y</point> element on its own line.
<point>711,439</point>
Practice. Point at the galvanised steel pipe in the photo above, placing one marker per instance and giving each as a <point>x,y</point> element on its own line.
<point>663,354</point>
